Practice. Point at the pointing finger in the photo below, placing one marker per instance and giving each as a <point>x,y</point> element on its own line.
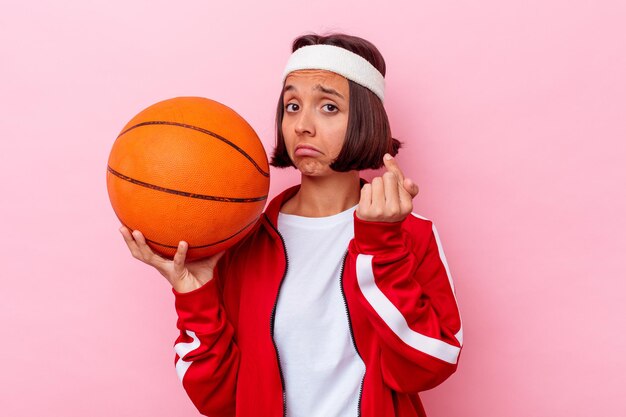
<point>392,165</point>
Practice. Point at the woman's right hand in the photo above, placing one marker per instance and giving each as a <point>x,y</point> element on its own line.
<point>184,276</point>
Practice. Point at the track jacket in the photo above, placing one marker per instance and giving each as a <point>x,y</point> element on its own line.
<point>400,306</point>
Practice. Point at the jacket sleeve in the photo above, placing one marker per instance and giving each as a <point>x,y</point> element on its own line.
<point>408,294</point>
<point>207,357</point>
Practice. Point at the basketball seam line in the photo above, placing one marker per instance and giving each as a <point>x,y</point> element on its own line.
<point>184,193</point>
<point>205,131</point>
<point>201,246</point>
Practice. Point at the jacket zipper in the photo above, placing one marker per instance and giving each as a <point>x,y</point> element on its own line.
<point>273,317</point>
<point>345,302</point>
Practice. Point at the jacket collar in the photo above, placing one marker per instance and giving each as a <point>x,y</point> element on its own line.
<point>277,202</point>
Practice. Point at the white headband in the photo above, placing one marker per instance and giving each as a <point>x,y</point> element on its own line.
<point>338,60</point>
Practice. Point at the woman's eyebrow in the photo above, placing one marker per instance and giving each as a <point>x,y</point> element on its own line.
<point>327,90</point>
<point>320,87</point>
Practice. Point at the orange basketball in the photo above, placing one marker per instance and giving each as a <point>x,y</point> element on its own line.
<point>190,169</point>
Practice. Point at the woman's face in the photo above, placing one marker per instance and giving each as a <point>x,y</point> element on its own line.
<point>315,119</point>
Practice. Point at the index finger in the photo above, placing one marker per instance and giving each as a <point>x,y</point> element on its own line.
<point>392,165</point>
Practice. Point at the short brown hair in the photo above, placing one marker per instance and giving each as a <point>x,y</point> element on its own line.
<point>368,136</point>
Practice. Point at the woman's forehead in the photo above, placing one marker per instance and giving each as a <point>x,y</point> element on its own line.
<point>315,76</point>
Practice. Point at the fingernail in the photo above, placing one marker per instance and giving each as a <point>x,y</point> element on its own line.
<point>387,157</point>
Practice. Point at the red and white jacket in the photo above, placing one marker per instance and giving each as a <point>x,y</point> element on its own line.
<point>400,305</point>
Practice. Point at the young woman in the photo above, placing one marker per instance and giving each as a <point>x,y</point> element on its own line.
<point>339,302</point>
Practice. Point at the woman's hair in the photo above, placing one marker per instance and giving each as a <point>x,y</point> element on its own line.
<point>368,136</point>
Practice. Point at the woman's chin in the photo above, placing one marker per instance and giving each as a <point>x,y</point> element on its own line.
<point>312,168</point>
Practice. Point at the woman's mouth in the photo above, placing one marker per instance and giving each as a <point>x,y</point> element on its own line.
<point>306,150</point>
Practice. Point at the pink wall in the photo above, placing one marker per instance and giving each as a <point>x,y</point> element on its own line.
<point>513,115</point>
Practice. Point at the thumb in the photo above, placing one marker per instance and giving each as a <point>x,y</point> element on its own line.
<point>179,257</point>
<point>410,187</point>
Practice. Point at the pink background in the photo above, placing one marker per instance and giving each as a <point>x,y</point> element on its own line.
<point>513,114</point>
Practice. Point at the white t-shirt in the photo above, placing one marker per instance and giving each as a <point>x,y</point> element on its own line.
<point>321,368</point>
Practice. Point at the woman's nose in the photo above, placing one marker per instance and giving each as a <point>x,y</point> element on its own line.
<point>304,124</point>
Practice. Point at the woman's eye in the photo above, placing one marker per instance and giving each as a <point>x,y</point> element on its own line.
<point>330,107</point>
<point>293,108</point>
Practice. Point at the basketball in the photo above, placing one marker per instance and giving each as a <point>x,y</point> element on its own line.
<point>188,168</point>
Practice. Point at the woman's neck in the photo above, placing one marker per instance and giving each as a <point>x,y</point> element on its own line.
<point>325,196</point>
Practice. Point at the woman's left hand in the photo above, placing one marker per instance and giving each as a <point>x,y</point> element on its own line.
<point>387,199</point>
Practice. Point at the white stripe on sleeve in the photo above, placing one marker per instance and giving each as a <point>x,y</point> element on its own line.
<point>182,349</point>
<point>394,318</point>
<point>459,335</point>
